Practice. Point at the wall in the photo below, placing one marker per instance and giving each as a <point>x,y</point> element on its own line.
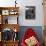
<point>38,21</point>
<point>39,13</point>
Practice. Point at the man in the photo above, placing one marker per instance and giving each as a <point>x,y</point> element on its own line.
<point>30,38</point>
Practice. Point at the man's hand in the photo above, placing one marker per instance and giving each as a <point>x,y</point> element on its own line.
<point>31,41</point>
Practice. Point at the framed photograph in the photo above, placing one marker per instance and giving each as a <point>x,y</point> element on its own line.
<point>30,12</point>
<point>13,12</point>
<point>5,12</point>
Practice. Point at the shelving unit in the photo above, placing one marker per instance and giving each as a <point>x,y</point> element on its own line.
<point>9,24</point>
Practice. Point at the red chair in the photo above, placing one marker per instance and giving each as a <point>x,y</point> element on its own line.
<point>29,33</point>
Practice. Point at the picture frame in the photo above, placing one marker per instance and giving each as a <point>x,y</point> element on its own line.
<point>5,12</point>
<point>30,12</point>
<point>13,12</point>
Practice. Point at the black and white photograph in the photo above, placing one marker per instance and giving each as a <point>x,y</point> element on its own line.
<point>30,12</point>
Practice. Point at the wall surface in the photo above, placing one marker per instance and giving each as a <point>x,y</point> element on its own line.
<point>38,21</point>
<point>39,13</point>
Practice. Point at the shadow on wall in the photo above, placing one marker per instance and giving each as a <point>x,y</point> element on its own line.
<point>37,29</point>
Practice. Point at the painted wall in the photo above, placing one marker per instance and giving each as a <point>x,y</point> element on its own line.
<point>22,21</point>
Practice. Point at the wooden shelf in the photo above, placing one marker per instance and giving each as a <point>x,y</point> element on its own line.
<point>11,26</point>
<point>9,43</point>
<point>4,13</point>
<point>5,8</point>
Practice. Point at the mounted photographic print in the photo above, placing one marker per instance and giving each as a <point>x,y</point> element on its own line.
<point>5,12</point>
<point>30,12</point>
